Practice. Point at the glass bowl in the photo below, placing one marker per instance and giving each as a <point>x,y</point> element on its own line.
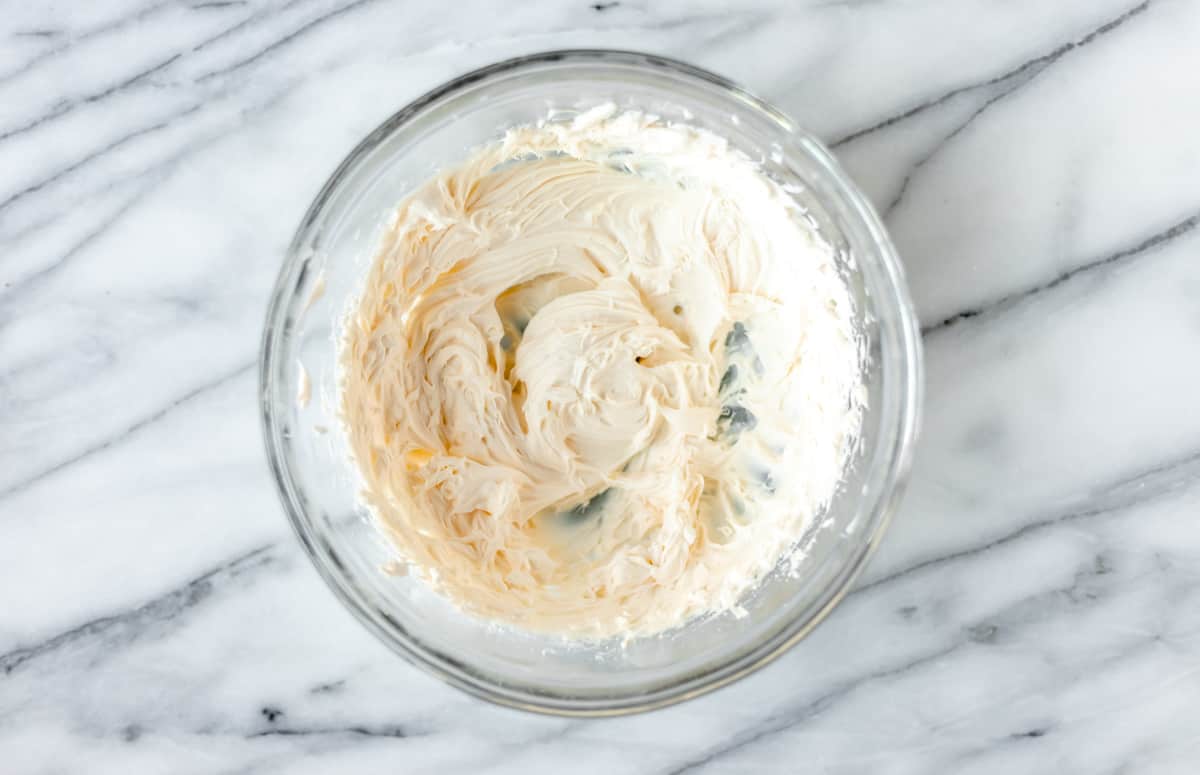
<point>322,275</point>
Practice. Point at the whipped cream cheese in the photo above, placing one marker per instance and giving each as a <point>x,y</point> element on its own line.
<point>601,377</point>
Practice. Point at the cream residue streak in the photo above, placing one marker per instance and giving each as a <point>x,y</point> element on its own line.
<point>600,378</point>
<point>303,386</point>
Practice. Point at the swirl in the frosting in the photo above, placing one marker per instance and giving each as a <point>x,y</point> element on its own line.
<point>600,378</point>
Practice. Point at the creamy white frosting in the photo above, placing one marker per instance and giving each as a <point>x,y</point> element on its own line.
<point>601,376</point>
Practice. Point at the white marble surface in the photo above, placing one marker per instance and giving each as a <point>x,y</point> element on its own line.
<point>1036,607</point>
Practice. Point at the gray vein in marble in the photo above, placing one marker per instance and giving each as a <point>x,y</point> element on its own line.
<point>1120,496</point>
<point>328,687</point>
<point>128,626</point>
<point>36,33</point>
<point>11,289</point>
<point>984,634</point>
<point>390,730</point>
<point>1141,487</point>
<point>773,725</point>
<point>1036,734</point>
<point>1010,84</point>
<point>81,37</point>
<point>732,24</point>
<point>728,23</point>
<point>1082,590</point>
<point>63,108</point>
<point>96,154</point>
<point>1145,247</point>
<point>234,28</point>
<point>286,39</point>
<point>1138,648</point>
<point>129,431</point>
<point>69,105</point>
<point>75,166</point>
<point>1011,81</point>
<point>158,172</point>
<point>137,78</point>
<point>780,723</point>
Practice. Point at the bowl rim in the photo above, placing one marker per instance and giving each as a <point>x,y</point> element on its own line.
<point>451,671</point>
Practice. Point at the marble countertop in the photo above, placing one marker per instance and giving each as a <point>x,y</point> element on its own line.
<point>1036,605</point>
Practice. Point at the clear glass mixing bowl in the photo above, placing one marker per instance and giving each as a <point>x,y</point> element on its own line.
<point>322,275</point>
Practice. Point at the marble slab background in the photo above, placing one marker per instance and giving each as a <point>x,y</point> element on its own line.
<point>1036,607</point>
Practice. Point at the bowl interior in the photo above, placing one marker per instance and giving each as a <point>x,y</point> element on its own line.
<point>322,277</point>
